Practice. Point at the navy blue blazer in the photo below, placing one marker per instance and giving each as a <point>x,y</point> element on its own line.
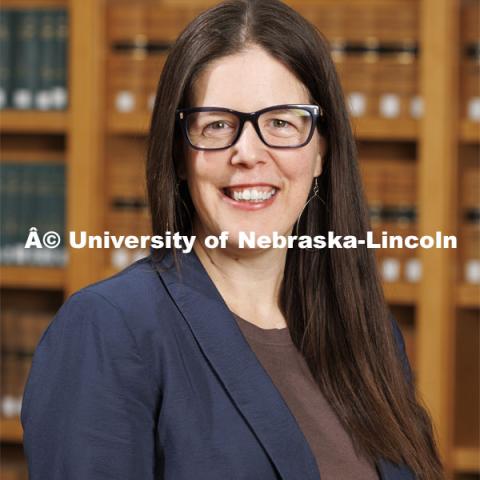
<point>146,375</point>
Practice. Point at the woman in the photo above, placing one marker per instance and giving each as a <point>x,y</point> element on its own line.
<point>236,363</point>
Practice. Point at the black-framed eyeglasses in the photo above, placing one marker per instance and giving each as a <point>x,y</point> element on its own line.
<point>279,126</point>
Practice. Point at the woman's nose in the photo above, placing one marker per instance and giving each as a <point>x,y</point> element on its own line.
<point>248,149</point>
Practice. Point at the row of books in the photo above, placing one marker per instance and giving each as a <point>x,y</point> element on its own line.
<point>379,85</point>
<point>161,23</point>
<point>469,239</point>
<point>33,63</point>
<point>389,182</point>
<point>32,207</point>
<point>14,370</point>
<point>470,82</point>
<point>21,330</point>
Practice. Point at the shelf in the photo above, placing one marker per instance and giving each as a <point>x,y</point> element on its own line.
<point>34,3</point>
<point>470,131</point>
<point>385,129</point>
<point>11,430</point>
<point>43,278</point>
<point>466,459</point>
<point>468,295</point>
<point>128,123</point>
<point>400,293</point>
<point>30,121</point>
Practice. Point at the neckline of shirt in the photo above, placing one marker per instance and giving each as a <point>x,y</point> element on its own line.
<point>266,336</point>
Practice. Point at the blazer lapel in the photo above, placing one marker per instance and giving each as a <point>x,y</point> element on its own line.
<point>223,344</point>
<point>249,386</point>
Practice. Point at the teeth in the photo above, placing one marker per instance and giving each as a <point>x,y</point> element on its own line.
<point>252,195</point>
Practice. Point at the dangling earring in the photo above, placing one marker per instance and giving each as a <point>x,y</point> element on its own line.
<point>316,195</point>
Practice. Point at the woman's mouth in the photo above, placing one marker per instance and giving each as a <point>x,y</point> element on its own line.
<point>250,194</point>
<point>250,198</point>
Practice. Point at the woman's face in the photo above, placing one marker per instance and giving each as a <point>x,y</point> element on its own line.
<point>247,82</point>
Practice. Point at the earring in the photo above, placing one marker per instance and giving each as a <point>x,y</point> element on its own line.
<point>316,195</point>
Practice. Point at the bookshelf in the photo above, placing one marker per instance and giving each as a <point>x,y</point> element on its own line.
<point>438,314</point>
<point>33,122</point>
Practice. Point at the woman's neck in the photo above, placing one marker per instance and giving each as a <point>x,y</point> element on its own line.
<point>249,281</point>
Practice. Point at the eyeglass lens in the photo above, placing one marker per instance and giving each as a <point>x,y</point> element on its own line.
<point>285,127</point>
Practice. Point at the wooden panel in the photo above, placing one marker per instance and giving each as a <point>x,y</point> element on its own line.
<point>470,131</point>
<point>34,3</point>
<point>401,293</point>
<point>437,203</point>
<point>468,296</point>
<point>467,380</point>
<point>84,181</point>
<point>11,430</point>
<point>467,459</point>
<point>43,278</point>
<point>385,129</point>
<point>32,121</point>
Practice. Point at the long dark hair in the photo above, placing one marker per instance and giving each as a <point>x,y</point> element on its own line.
<point>332,299</point>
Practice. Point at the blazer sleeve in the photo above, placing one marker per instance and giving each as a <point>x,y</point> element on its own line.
<point>88,408</point>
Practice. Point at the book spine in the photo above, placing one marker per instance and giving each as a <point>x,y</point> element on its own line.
<point>6,26</point>
<point>59,91</point>
<point>12,200</point>
<point>26,71</point>
<point>43,96</point>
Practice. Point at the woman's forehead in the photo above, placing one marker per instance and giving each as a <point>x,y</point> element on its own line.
<point>249,80</point>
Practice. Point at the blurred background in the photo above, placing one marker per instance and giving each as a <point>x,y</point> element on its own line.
<point>77,85</point>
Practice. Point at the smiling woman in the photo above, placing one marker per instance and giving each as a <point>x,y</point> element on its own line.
<point>245,363</point>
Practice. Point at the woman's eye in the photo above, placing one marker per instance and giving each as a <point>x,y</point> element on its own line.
<point>219,125</point>
<point>277,123</point>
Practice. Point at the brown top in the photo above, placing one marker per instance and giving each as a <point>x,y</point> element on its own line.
<point>329,442</point>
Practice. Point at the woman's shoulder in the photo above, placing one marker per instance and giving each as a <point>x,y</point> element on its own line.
<point>134,296</point>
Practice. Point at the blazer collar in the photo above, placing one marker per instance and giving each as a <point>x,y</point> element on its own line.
<point>229,354</point>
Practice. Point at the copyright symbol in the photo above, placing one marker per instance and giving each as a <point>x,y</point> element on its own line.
<point>51,239</point>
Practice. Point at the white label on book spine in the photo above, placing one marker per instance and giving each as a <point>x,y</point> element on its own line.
<point>474,109</point>
<point>59,98</point>
<point>151,101</point>
<point>43,100</point>
<point>357,104</point>
<point>125,101</point>
<point>416,107</point>
<point>389,105</point>
<point>22,99</point>
<point>390,270</point>
<point>472,271</point>
<point>413,270</point>
<point>3,98</point>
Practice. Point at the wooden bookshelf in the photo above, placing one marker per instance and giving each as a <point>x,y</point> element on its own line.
<point>34,3</point>
<point>41,278</point>
<point>468,296</point>
<point>16,121</point>
<point>466,459</point>
<point>436,136</point>
<point>385,129</point>
<point>11,430</point>
<point>128,124</point>
<point>470,131</point>
<point>401,293</point>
